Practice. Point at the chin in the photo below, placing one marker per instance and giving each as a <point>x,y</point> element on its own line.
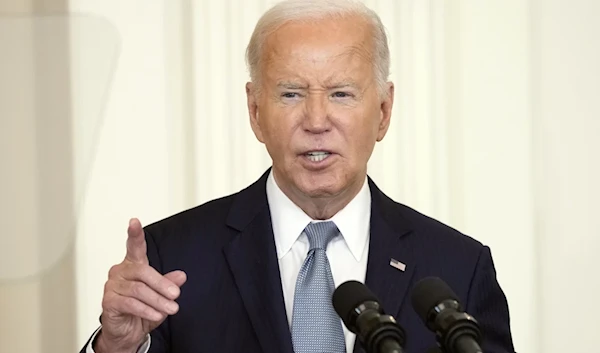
<point>317,193</point>
<point>319,186</point>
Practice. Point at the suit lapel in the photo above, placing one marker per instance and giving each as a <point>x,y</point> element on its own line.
<point>253,262</point>
<point>389,240</point>
<point>252,258</point>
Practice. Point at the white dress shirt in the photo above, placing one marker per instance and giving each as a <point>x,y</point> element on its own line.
<point>347,253</point>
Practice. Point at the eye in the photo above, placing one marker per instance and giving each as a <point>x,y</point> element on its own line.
<point>341,94</point>
<point>290,95</point>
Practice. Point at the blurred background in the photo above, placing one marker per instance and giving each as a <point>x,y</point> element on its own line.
<point>118,109</point>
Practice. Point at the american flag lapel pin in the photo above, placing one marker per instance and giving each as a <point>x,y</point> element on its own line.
<point>397,264</point>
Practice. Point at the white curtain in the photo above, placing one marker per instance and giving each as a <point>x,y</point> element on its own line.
<point>207,101</point>
<point>494,132</point>
<point>445,153</point>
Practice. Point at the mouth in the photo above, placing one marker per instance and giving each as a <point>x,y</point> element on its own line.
<point>317,156</point>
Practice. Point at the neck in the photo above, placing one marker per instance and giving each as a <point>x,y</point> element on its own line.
<point>321,207</point>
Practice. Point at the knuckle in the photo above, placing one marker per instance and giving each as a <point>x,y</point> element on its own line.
<point>147,312</point>
<point>107,302</point>
<point>114,271</point>
<point>137,289</point>
<point>108,287</point>
<point>131,305</point>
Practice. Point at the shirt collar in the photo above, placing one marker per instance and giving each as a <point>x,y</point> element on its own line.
<point>289,220</point>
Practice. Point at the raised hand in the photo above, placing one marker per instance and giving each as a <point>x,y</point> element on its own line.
<point>136,297</point>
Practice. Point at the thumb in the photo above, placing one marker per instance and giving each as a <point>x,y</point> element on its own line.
<point>136,243</point>
<point>178,277</point>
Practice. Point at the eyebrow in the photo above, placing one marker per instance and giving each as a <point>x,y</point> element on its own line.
<point>291,85</point>
<point>344,84</point>
<point>337,85</point>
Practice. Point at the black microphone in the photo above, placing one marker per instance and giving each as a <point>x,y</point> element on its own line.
<point>439,308</point>
<point>362,314</point>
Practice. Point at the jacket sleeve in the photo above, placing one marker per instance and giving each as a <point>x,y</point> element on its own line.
<point>160,336</point>
<point>487,303</point>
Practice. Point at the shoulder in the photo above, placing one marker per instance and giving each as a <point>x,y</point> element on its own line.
<point>440,249</point>
<point>212,223</point>
<point>424,228</point>
<point>434,230</point>
<point>437,248</point>
<point>205,218</point>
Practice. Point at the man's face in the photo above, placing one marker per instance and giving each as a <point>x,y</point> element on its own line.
<point>319,111</point>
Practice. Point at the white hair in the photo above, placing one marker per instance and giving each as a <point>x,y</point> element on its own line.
<point>311,10</point>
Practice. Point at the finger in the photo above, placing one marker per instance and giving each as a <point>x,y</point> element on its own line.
<point>178,277</point>
<point>153,279</point>
<point>136,243</point>
<point>146,295</point>
<point>133,306</point>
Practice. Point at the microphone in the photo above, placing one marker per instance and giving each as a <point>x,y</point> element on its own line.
<point>439,308</point>
<point>362,314</point>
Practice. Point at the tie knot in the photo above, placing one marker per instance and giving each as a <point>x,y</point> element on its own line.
<point>320,234</point>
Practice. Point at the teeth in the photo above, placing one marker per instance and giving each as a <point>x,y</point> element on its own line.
<point>317,156</point>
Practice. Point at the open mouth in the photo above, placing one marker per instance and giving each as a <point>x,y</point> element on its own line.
<point>317,156</point>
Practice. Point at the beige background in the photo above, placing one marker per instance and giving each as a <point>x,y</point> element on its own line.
<point>495,132</point>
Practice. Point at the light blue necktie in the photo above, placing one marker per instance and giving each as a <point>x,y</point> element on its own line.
<point>316,328</point>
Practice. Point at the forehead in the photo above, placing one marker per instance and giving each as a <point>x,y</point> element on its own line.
<point>327,47</point>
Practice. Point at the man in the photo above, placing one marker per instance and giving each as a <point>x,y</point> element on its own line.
<point>254,271</point>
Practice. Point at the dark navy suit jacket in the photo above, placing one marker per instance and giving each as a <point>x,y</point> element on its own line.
<point>233,299</point>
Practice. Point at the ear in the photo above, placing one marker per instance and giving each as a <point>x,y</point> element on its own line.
<point>386,111</point>
<point>252,102</point>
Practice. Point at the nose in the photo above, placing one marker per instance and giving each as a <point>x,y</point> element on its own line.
<point>316,118</point>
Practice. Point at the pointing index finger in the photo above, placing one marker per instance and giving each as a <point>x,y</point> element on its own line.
<point>136,243</point>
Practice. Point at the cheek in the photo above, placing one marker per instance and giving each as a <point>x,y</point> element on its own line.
<point>280,123</point>
<point>277,133</point>
<point>268,124</point>
<point>361,128</point>
<point>361,138</point>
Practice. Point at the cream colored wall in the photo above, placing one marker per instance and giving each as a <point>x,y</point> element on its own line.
<point>130,173</point>
<point>491,147</point>
<point>37,280</point>
<point>13,318</point>
<point>444,146</point>
<point>567,120</point>
<point>493,133</point>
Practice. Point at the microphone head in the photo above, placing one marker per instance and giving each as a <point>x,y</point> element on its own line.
<point>347,297</point>
<point>428,293</point>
